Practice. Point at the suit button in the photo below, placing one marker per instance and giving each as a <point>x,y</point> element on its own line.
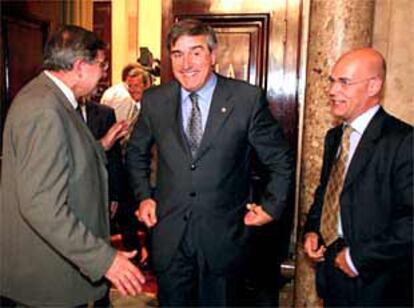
<point>193,167</point>
<point>192,194</point>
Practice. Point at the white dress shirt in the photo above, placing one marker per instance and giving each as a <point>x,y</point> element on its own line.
<point>64,88</point>
<point>358,128</point>
<point>120,100</point>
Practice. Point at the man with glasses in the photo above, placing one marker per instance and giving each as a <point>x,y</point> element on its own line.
<point>54,229</point>
<point>359,230</point>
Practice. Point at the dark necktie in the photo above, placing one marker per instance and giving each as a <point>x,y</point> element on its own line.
<point>331,208</point>
<point>195,128</point>
<point>80,113</point>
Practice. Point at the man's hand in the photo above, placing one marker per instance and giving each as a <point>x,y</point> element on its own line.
<point>146,212</point>
<point>340,262</point>
<point>312,249</point>
<point>256,216</point>
<point>124,275</point>
<point>117,131</point>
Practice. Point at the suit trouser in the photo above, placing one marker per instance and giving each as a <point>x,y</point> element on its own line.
<point>333,285</point>
<point>337,289</point>
<point>189,282</point>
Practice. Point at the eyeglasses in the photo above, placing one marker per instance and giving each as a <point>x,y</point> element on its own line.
<point>344,83</point>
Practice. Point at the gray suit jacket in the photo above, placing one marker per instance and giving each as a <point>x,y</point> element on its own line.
<point>211,190</point>
<point>54,226</point>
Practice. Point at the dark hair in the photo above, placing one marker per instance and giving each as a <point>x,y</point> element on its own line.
<point>68,44</point>
<point>191,27</point>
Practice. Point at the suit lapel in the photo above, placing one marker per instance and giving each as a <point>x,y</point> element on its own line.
<point>365,147</point>
<point>220,109</point>
<point>174,117</point>
<point>332,147</point>
<point>81,125</point>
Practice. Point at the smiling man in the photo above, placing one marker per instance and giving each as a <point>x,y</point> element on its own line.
<point>205,128</point>
<point>359,229</point>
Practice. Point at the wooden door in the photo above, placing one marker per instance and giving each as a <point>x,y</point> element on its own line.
<point>22,40</point>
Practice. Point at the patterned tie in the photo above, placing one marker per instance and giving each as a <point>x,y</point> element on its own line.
<point>195,128</point>
<point>330,210</point>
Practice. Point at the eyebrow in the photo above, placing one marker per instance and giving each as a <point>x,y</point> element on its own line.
<point>175,51</point>
<point>339,78</point>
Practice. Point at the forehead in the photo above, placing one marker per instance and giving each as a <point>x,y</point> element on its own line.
<point>134,79</point>
<point>189,41</point>
<point>348,68</point>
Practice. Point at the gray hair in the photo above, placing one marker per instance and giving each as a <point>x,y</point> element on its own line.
<point>191,27</point>
<point>68,44</point>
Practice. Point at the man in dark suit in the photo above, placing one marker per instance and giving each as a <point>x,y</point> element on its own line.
<point>54,230</point>
<point>366,258</point>
<point>205,128</point>
<point>102,122</point>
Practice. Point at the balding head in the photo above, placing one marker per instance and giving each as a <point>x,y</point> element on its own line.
<point>369,61</point>
<point>357,80</point>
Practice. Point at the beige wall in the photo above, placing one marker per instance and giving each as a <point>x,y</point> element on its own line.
<point>150,26</point>
<point>124,35</point>
<point>135,23</point>
<point>394,37</point>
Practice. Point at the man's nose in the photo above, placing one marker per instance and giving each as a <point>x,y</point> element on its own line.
<point>187,61</point>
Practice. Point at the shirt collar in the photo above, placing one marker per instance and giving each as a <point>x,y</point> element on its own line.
<point>361,122</point>
<point>64,88</point>
<point>205,92</point>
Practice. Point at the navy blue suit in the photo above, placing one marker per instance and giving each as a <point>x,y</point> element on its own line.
<point>376,213</point>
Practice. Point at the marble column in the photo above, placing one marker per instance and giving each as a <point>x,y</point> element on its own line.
<point>334,28</point>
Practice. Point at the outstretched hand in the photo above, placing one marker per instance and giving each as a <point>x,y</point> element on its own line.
<point>124,275</point>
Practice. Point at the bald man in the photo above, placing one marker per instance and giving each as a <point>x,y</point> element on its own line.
<point>367,259</point>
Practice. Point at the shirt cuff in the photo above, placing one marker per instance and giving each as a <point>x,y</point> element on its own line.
<point>349,261</point>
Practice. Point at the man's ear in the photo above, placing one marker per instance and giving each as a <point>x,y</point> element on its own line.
<point>375,86</point>
<point>78,68</point>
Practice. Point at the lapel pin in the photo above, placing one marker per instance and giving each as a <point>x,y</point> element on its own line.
<point>223,110</point>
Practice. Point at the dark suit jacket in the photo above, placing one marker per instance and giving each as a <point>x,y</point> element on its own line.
<point>100,118</point>
<point>213,188</point>
<point>376,206</point>
<point>54,228</point>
